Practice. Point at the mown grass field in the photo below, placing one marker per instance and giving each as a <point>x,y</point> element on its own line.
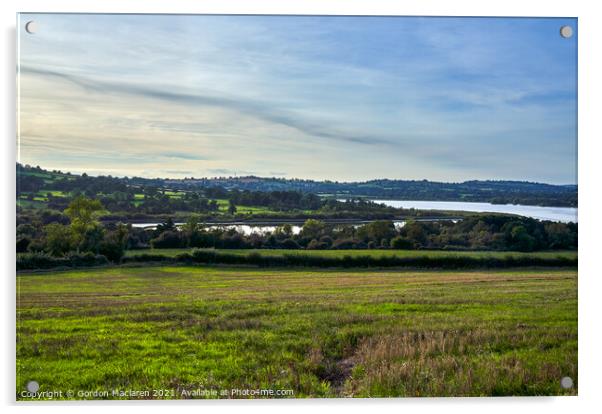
<point>364,252</point>
<point>320,333</point>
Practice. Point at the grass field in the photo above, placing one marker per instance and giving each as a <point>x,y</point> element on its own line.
<point>318,333</point>
<point>373,253</point>
<point>223,205</point>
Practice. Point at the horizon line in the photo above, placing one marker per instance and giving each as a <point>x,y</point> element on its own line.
<point>216,177</point>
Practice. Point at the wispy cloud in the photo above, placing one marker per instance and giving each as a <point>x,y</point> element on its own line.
<point>256,109</point>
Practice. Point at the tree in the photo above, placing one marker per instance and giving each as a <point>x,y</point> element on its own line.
<point>92,239</point>
<point>521,239</point>
<point>59,239</point>
<point>114,242</point>
<point>191,228</point>
<point>169,225</point>
<point>285,231</point>
<point>415,231</point>
<point>231,207</point>
<point>83,213</point>
<point>559,236</point>
<point>377,230</point>
<point>313,229</point>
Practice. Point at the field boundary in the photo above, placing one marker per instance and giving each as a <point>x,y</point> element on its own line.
<point>255,259</point>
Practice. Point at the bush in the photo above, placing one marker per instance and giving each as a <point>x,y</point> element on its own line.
<point>31,261</point>
<point>86,259</point>
<point>167,240</point>
<point>112,249</point>
<point>23,244</point>
<point>289,244</point>
<point>236,241</point>
<point>344,244</point>
<point>326,239</point>
<point>316,245</point>
<point>360,245</point>
<point>402,243</point>
<point>147,258</point>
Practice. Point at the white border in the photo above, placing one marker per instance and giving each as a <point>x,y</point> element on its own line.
<point>590,68</point>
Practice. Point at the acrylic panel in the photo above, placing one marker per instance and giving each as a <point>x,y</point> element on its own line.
<point>248,206</point>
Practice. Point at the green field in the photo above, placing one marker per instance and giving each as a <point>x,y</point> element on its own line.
<point>320,333</point>
<point>223,205</point>
<point>373,253</point>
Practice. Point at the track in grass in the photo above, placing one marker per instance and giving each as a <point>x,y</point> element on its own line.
<point>318,333</point>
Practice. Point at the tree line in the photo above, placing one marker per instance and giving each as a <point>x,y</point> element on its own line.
<point>77,230</point>
<point>29,181</point>
<point>496,233</point>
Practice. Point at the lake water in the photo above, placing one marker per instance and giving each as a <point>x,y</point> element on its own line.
<point>561,214</point>
<point>240,228</point>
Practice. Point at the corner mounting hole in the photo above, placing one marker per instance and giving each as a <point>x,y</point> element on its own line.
<point>31,27</point>
<point>566,32</point>
<point>566,383</point>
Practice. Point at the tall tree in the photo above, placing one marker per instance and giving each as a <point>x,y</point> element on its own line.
<point>191,227</point>
<point>83,213</point>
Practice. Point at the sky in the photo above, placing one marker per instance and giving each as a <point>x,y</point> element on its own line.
<point>337,98</point>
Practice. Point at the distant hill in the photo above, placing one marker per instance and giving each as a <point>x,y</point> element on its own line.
<point>497,192</point>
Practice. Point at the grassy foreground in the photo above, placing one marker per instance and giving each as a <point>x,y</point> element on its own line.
<point>181,332</point>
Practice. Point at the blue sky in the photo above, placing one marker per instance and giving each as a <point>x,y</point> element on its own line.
<point>340,98</point>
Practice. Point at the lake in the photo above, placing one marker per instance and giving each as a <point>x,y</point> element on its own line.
<point>562,214</point>
<point>240,228</point>
<point>249,229</point>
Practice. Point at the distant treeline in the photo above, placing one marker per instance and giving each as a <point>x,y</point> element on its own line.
<point>497,192</point>
<point>124,200</point>
<point>240,190</point>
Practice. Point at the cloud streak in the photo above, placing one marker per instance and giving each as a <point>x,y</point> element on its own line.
<point>247,107</point>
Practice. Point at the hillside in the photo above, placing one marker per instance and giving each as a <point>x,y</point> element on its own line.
<point>496,192</point>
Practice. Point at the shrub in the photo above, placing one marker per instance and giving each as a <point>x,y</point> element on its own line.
<point>147,258</point>
<point>167,240</point>
<point>23,244</point>
<point>289,244</point>
<point>316,245</point>
<point>31,261</point>
<point>112,249</point>
<point>344,244</point>
<point>402,243</point>
<point>326,239</point>
<point>360,245</point>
